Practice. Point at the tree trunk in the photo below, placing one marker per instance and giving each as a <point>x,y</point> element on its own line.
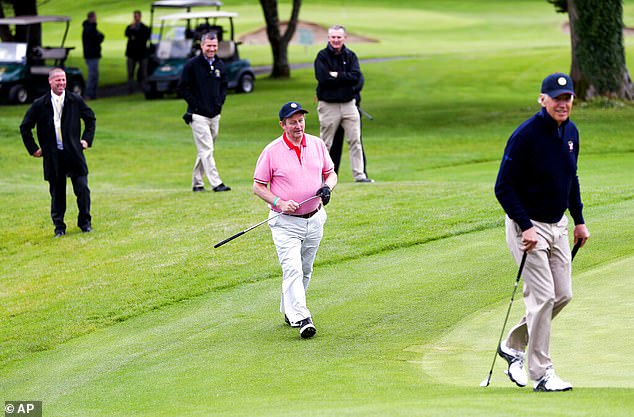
<point>279,42</point>
<point>21,8</point>
<point>598,55</point>
<point>5,33</point>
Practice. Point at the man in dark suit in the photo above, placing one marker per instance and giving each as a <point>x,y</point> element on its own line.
<point>57,116</point>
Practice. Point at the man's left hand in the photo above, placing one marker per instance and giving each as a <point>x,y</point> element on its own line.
<point>84,144</point>
<point>324,193</point>
<point>581,233</point>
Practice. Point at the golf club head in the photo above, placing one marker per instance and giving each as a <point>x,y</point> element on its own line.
<point>485,383</point>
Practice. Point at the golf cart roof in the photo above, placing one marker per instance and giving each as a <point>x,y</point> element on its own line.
<point>32,20</point>
<point>186,3</point>
<point>198,15</point>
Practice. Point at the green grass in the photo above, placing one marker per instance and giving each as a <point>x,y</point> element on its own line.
<point>142,317</point>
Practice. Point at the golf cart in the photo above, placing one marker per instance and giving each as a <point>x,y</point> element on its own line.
<point>177,43</point>
<point>24,66</point>
<point>169,6</point>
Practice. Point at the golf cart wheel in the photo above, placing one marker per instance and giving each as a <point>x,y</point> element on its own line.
<point>246,83</point>
<point>18,94</point>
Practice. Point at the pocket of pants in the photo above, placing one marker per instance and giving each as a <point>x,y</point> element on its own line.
<point>323,216</point>
<point>273,220</point>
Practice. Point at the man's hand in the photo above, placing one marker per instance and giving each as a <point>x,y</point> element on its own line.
<point>84,144</point>
<point>287,206</point>
<point>529,239</point>
<point>37,154</point>
<point>324,193</point>
<point>581,233</point>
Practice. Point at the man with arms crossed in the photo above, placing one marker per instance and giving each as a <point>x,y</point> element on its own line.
<point>536,183</point>
<point>203,85</point>
<point>57,116</point>
<point>338,73</point>
<point>291,169</point>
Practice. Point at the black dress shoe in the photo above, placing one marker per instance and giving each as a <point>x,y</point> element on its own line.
<point>287,321</point>
<point>60,233</point>
<point>198,189</point>
<point>86,229</point>
<point>221,187</point>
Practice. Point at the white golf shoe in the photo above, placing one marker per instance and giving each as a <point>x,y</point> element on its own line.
<point>550,382</point>
<point>515,359</point>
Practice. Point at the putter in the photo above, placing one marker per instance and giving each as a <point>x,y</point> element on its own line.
<point>229,239</point>
<point>487,381</point>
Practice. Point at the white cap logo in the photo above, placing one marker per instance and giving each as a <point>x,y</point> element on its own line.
<point>294,105</point>
<point>561,81</point>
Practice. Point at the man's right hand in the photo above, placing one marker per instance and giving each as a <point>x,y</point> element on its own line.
<point>287,206</point>
<point>37,154</point>
<point>529,239</point>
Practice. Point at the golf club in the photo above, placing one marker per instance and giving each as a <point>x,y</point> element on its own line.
<point>366,114</point>
<point>217,245</point>
<point>487,381</point>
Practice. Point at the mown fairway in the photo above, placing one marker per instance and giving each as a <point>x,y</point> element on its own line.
<point>143,317</point>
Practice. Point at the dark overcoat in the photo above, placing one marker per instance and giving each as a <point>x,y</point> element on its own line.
<point>40,116</point>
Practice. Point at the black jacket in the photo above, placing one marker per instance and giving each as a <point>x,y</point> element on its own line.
<point>40,115</point>
<point>204,87</point>
<point>138,36</point>
<point>538,174</point>
<point>342,88</point>
<point>91,40</point>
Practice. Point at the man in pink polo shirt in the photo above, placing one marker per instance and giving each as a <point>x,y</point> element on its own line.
<point>292,169</point>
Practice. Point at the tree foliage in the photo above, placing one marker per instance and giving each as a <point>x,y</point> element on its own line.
<point>598,55</point>
<point>279,41</point>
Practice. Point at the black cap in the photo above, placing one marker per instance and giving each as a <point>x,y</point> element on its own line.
<point>290,109</point>
<point>557,84</point>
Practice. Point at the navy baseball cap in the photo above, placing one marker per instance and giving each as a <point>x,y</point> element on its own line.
<point>290,109</point>
<point>557,84</point>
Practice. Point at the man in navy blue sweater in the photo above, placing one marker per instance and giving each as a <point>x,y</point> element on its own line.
<point>203,85</point>
<point>536,183</point>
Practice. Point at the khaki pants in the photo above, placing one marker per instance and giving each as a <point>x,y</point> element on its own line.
<point>205,131</point>
<point>331,115</point>
<point>296,241</point>
<point>547,289</point>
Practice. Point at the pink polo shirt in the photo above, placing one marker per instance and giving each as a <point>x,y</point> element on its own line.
<point>292,178</point>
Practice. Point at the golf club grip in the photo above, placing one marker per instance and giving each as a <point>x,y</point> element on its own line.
<point>575,249</point>
<point>229,239</point>
<point>521,268</point>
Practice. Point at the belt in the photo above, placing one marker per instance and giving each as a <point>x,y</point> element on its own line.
<point>307,215</point>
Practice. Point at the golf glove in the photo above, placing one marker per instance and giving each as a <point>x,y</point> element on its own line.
<point>324,193</point>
